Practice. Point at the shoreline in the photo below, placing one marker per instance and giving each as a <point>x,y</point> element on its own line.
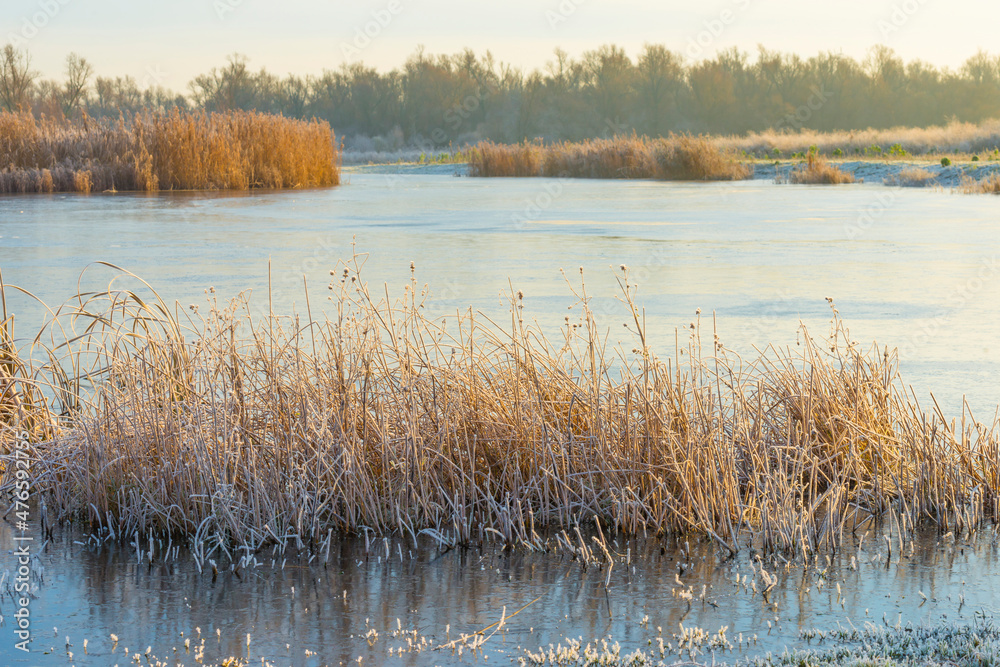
<point>870,172</point>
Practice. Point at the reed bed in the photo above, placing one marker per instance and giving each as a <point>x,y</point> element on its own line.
<point>817,171</point>
<point>238,431</point>
<point>675,158</point>
<point>176,151</point>
<point>985,186</point>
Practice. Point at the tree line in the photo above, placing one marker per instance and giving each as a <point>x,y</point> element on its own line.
<point>436,100</point>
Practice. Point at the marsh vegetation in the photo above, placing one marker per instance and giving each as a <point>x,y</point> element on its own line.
<point>165,151</point>
<point>673,158</point>
<point>235,430</point>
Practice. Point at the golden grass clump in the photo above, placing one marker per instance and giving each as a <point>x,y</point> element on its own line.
<point>817,171</point>
<point>678,157</point>
<point>912,177</point>
<point>175,151</point>
<point>239,431</point>
<point>985,186</point>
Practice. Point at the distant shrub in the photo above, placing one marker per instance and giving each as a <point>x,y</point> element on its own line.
<point>945,162</point>
<point>837,152</point>
<point>987,186</point>
<point>975,158</point>
<point>897,150</point>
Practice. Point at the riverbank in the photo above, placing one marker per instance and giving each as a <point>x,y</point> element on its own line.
<point>902,173</point>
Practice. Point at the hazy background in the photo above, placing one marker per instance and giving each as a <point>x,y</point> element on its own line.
<point>182,38</point>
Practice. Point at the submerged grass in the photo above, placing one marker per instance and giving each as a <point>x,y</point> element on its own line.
<point>947,645</point>
<point>678,157</point>
<point>175,151</point>
<point>244,431</point>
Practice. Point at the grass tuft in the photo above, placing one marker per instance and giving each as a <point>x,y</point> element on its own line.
<point>986,186</point>
<point>817,171</point>
<point>912,177</point>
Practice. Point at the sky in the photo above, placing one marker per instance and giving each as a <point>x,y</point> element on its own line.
<point>169,42</point>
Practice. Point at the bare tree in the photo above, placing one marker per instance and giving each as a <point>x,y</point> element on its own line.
<point>78,73</point>
<point>16,77</point>
<point>659,80</point>
<point>233,87</point>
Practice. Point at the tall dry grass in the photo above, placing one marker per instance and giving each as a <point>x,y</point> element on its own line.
<point>817,171</point>
<point>175,151</point>
<point>954,137</point>
<point>238,431</point>
<point>678,157</point>
<point>984,186</point>
<point>912,177</point>
<point>23,404</point>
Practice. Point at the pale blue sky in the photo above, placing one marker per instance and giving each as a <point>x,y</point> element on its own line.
<point>173,40</point>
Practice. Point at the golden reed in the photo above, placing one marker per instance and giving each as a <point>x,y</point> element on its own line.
<point>678,157</point>
<point>176,151</point>
<point>244,431</point>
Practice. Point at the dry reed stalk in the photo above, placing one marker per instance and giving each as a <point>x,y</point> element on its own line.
<point>912,177</point>
<point>23,405</point>
<point>242,431</point>
<point>175,151</point>
<point>986,186</point>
